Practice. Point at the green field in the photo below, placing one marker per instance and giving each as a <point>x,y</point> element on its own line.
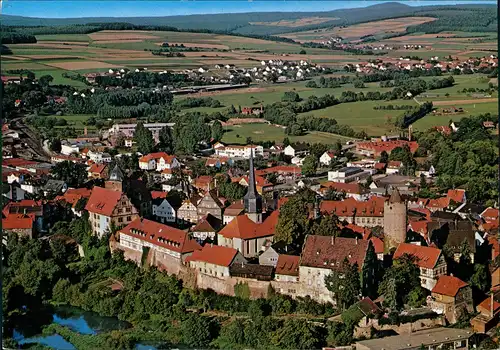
<point>264,132</point>
<point>362,117</point>
<point>63,37</point>
<point>76,121</point>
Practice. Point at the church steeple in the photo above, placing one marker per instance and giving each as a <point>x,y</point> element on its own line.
<point>116,180</point>
<point>252,199</point>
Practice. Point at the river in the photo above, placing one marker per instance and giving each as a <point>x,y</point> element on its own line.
<point>83,322</point>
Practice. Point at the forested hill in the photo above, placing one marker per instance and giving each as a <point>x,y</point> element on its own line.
<point>476,17</point>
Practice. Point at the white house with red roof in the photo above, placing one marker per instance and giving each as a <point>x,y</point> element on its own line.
<point>106,206</point>
<point>326,158</point>
<point>214,260</point>
<point>430,261</point>
<point>287,269</point>
<point>394,167</point>
<point>158,161</point>
<point>169,247</point>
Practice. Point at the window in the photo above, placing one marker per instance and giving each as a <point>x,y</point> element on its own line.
<point>129,218</point>
<point>120,219</point>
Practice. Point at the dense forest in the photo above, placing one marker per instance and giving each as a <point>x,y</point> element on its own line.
<point>17,38</point>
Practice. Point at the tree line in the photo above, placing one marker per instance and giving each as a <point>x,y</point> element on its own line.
<point>17,38</point>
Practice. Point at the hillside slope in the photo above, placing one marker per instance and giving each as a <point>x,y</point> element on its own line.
<point>241,23</point>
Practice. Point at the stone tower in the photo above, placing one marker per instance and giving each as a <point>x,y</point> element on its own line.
<point>116,179</point>
<point>395,221</point>
<point>252,199</point>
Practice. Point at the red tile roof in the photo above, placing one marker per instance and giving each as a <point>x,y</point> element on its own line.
<point>287,265</point>
<point>352,188</point>
<point>15,162</point>
<point>259,181</point>
<point>387,146</point>
<point>158,194</point>
<point>17,221</point>
<point>490,214</point>
<point>28,205</point>
<point>280,169</point>
<point>161,235</point>
<point>438,203</point>
<point>241,227</point>
<point>157,156</point>
<point>448,285</point>
<point>419,226</point>
<point>203,226</point>
<point>103,201</point>
<point>97,168</point>
<point>378,245</point>
<point>214,254</point>
<point>203,181</point>
<point>350,206</point>
<point>380,166</point>
<point>486,305</point>
<point>268,226</point>
<point>234,209</point>
<point>73,195</point>
<point>457,196</point>
<point>426,257</point>
<point>211,162</point>
<point>329,252</point>
<point>364,231</point>
<point>394,164</point>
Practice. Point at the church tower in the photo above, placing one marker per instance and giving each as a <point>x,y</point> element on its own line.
<point>252,199</point>
<point>116,179</point>
<point>395,221</point>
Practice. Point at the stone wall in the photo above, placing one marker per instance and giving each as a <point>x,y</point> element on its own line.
<point>194,279</point>
<point>258,289</point>
<point>363,329</point>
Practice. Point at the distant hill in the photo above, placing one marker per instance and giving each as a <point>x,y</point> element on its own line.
<point>240,23</point>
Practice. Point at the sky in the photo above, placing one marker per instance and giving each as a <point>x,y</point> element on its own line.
<point>140,8</point>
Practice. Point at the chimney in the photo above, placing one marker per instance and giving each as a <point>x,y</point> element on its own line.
<point>211,245</point>
<point>85,131</point>
<point>492,308</point>
<point>333,240</point>
<point>356,240</point>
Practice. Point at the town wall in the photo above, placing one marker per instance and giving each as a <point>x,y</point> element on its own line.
<point>364,327</point>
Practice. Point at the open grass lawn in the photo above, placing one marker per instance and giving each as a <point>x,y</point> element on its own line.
<point>273,93</point>
<point>76,120</point>
<point>362,117</point>
<point>58,78</point>
<point>265,132</point>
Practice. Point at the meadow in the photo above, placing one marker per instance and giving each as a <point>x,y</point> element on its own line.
<point>237,134</point>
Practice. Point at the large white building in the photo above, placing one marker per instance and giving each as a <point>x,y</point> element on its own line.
<point>129,129</point>
<point>348,174</point>
<point>236,151</point>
